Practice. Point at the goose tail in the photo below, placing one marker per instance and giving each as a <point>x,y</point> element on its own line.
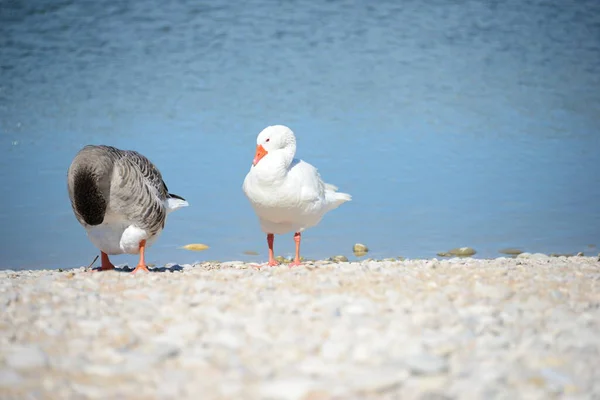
<point>335,198</point>
<point>175,202</point>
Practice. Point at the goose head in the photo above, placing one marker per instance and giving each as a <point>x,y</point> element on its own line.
<point>275,141</point>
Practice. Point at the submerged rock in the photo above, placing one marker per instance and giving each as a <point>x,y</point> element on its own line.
<point>463,251</point>
<point>360,250</point>
<point>360,247</point>
<point>195,247</point>
<point>511,251</point>
<point>250,253</point>
<point>339,258</point>
<point>458,252</point>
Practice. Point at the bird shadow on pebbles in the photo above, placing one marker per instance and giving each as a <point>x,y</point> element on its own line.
<point>128,269</point>
<point>170,268</point>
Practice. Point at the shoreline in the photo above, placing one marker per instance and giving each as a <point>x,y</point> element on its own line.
<point>440,257</point>
<point>459,327</point>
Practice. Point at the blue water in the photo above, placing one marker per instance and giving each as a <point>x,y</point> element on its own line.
<point>452,123</point>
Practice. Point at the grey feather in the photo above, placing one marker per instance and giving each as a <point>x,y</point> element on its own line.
<point>103,178</point>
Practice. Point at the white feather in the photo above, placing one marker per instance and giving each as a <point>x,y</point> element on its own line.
<point>172,204</point>
<point>115,235</point>
<point>287,194</point>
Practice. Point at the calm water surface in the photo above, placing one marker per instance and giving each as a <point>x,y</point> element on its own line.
<point>452,123</point>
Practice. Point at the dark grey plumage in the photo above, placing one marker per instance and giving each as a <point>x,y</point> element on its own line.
<point>87,198</point>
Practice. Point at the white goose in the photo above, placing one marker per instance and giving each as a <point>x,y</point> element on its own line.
<point>121,200</point>
<point>287,194</point>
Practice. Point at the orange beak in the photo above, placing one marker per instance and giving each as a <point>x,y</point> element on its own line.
<point>260,153</point>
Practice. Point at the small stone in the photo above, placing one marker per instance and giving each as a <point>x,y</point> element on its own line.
<point>231,264</point>
<point>360,248</point>
<point>90,392</point>
<point>171,384</point>
<point>496,292</point>
<point>333,350</point>
<point>228,339</point>
<point>557,295</point>
<point>429,387</point>
<point>355,309</point>
<point>538,256</point>
<point>425,364</point>
<point>511,251</point>
<point>286,389</point>
<point>379,380</point>
<point>462,251</point>
<point>89,327</point>
<point>91,284</point>
<point>541,256</point>
<point>555,378</point>
<point>339,259</point>
<point>195,247</point>
<point>314,366</point>
<point>102,370</point>
<point>361,353</point>
<point>9,378</point>
<point>137,361</point>
<point>26,357</point>
<point>580,254</point>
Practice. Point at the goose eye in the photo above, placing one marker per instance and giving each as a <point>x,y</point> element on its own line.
<point>267,140</point>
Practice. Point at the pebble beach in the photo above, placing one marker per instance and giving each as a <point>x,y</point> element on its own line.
<point>460,328</point>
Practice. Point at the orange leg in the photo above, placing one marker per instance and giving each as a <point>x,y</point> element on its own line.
<point>297,238</point>
<point>106,264</point>
<point>270,239</point>
<point>142,264</point>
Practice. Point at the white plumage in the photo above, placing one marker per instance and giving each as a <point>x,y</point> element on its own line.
<point>287,194</point>
<point>118,235</point>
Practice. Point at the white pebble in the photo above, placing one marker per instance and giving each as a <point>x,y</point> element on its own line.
<point>425,364</point>
<point>26,357</point>
<point>286,389</point>
<point>9,378</point>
